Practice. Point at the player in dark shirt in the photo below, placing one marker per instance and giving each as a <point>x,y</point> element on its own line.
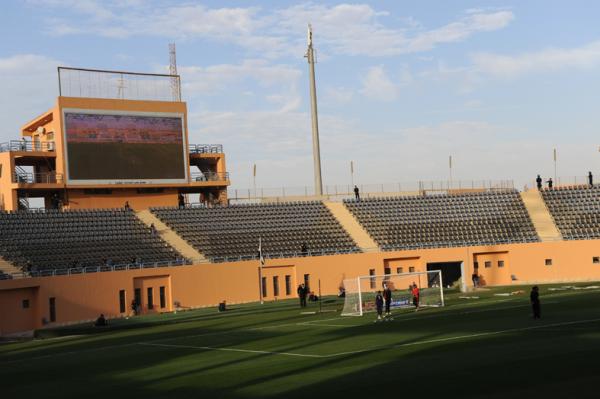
<point>387,296</point>
<point>535,302</point>
<point>302,293</point>
<point>379,306</point>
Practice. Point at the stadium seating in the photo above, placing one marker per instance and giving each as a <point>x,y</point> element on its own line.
<point>234,231</point>
<point>62,239</point>
<point>445,220</point>
<point>576,210</point>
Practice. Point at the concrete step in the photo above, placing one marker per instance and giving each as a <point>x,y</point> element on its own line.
<point>8,268</point>
<point>171,237</point>
<point>360,236</point>
<point>540,216</point>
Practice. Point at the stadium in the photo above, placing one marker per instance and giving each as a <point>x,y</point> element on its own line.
<point>198,285</point>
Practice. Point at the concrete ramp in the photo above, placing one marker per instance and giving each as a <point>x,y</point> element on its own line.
<point>8,268</point>
<point>540,216</point>
<point>360,236</point>
<point>171,237</point>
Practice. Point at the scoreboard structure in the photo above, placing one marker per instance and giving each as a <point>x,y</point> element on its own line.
<point>112,137</point>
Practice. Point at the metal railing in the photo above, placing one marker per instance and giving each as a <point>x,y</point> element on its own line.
<point>209,176</point>
<point>37,178</point>
<point>562,181</point>
<point>25,145</point>
<point>289,254</point>
<point>275,255</point>
<point>366,190</point>
<point>206,148</point>
<point>180,262</point>
<point>107,268</point>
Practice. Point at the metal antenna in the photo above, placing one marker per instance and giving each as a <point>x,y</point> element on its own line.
<point>315,118</point>
<point>175,90</point>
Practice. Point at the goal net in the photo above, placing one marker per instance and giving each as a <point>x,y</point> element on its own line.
<point>361,291</point>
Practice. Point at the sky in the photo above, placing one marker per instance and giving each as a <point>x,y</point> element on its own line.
<point>401,85</point>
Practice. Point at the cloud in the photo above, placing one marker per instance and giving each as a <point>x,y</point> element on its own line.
<point>506,66</point>
<point>337,95</point>
<point>29,86</point>
<point>351,29</point>
<point>457,31</point>
<point>206,80</point>
<point>278,140</point>
<point>358,29</point>
<point>378,86</point>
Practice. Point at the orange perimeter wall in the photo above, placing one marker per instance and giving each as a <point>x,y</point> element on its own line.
<point>84,297</point>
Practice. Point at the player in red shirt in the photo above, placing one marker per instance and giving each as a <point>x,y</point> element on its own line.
<point>415,294</point>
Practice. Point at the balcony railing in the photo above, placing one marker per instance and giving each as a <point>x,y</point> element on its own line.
<point>564,181</point>
<point>371,190</point>
<point>24,145</point>
<point>39,178</point>
<point>209,176</point>
<point>206,148</point>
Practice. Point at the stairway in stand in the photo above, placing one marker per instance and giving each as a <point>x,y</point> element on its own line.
<point>171,237</point>
<point>360,236</point>
<point>540,216</point>
<point>8,268</point>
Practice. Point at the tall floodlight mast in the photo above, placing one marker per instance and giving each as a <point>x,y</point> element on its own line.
<point>310,55</point>
<point>175,88</point>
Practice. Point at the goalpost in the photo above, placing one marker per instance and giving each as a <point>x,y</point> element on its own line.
<point>361,291</point>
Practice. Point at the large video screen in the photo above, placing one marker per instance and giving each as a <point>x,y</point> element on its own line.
<point>104,147</point>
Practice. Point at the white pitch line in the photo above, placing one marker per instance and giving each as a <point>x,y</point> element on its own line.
<point>240,330</point>
<point>332,325</point>
<point>212,348</point>
<point>306,323</point>
<point>416,343</point>
<point>483,334</point>
<point>52,355</point>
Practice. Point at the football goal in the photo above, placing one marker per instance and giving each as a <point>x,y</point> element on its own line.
<point>361,291</point>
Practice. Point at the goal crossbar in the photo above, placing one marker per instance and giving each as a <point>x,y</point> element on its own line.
<point>361,291</point>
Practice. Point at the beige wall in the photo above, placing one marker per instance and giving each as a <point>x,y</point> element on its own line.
<point>84,297</point>
<point>79,200</point>
<point>8,196</point>
<point>13,316</point>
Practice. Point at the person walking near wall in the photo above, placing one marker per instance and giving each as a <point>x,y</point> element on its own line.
<point>356,193</point>
<point>590,179</point>
<point>538,181</point>
<point>475,278</point>
<point>302,292</point>
<point>535,302</point>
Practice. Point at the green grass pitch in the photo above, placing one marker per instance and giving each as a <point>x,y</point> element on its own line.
<point>488,347</point>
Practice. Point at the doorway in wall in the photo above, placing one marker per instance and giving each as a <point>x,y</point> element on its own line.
<point>451,271</point>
